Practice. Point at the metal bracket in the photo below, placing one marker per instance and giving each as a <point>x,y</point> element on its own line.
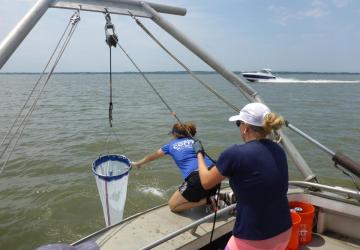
<point>111,38</point>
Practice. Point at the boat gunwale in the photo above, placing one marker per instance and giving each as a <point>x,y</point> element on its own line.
<point>340,190</point>
<point>306,190</point>
<point>117,224</point>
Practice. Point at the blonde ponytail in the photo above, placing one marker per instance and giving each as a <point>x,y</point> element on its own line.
<point>272,121</point>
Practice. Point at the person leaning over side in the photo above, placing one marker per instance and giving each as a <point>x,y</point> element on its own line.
<point>258,174</point>
<point>190,193</point>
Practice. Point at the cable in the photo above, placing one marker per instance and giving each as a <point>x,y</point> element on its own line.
<point>111,39</point>
<point>31,93</point>
<point>215,214</point>
<point>160,97</point>
<point>74,20</point>
<point>184,66</point>
<point>110,85</point>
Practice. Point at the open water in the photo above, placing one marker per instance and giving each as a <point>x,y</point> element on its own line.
<point>47,191</point>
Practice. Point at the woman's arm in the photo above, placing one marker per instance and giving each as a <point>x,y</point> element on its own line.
<point>157,154</point>
<point>208,178</point>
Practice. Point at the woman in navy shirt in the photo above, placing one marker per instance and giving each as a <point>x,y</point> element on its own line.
<point>258,174</point>
<point>190,193</point>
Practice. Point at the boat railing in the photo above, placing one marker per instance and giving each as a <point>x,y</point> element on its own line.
<point>303,184</point>
<point>165,238</point>
<point>103,230</point>
<point>349,192</point>
<point>340,190</point>
<point>188,227</point>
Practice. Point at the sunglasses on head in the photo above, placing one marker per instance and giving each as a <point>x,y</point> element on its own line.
<point>238,123</point>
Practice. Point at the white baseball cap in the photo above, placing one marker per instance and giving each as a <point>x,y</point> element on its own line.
<point>252,113</point>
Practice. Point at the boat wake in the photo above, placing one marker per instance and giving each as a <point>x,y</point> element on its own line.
<point>152,190</point>
<point>292,80</point>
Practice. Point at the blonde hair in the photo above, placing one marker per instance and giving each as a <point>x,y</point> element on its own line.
<point>272,121</point>
<point>187,129</point>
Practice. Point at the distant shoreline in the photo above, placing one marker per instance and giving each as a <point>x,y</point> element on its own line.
<point>174,72</point>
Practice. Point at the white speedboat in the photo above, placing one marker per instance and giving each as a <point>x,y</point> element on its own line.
<point>337,211</point>
<point>264,74</point>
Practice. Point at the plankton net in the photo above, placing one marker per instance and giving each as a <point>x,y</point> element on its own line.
<point>111,175</point>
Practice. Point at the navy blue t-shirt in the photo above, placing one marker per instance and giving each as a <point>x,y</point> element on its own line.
<point>258,174</point>
<point>181,150</point>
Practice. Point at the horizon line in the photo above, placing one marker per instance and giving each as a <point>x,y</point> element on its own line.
<point>176,72</point>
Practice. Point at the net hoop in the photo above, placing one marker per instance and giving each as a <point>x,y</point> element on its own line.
<point>111,177</point>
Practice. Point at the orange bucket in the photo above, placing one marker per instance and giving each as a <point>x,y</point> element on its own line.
<point>294,239</point>
<point>306,212</point>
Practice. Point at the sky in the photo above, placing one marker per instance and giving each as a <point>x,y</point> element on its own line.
<point>283,35</point>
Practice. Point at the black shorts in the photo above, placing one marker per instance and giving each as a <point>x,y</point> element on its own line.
<point>192,190</point>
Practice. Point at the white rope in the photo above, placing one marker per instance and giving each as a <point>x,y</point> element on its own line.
<point>30,95</point>
<point>207,86</point>
<point>74,21</point>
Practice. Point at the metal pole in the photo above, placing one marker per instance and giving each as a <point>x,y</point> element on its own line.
<point>236,80</point>
<point>22,29</point>
<point>296,157</point>
<point>230,76</point>
<point>341,190</point>
<point>309,138</point>
<point>118,7</point>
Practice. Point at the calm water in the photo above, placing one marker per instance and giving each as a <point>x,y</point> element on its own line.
<point>47,191</point>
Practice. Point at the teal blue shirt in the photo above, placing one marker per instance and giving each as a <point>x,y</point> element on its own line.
<point>181,150</point>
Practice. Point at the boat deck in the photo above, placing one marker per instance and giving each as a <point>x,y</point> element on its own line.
<point>145,229</point>
<point>331,242</point>
<point>158,223</point>
<point>141,230</point>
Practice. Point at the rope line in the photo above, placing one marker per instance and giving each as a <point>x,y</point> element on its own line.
<point>159,95</point>
<point>215,213</point>
<point>111,40</point>
<point>207,86</point>
<point>110,85</point>
<point>30,95</point>
<point>150,84</point>
<point>74,20</point>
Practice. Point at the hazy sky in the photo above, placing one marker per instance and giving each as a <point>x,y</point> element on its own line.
<point>289,35</point>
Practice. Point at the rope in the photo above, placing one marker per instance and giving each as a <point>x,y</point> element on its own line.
<point>31,93</point>
<point>150,84</point>
<point>110,103</point>
<point>111,39</point>
<point>106,144</point>
<point>160,97</point>
<point>345,172</point>
<point>215,213</point>
<point>184,66</point>
<point>74,20</point>
<point>201,82</point>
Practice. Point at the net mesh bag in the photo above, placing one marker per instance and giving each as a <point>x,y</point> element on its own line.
<point>111,174</point>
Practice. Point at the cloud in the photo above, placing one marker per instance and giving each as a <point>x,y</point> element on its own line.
<point>341,3</point>
<point>318,3</point>
<point>26,1</point>
<point>312,36</point>
<point>314,13</point>
<point>284,15</point>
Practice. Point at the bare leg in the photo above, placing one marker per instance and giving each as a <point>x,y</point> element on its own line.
<point>178,203</point>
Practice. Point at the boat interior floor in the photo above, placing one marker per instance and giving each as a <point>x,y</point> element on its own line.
<point>337,224</point>
<point>331,241</point>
